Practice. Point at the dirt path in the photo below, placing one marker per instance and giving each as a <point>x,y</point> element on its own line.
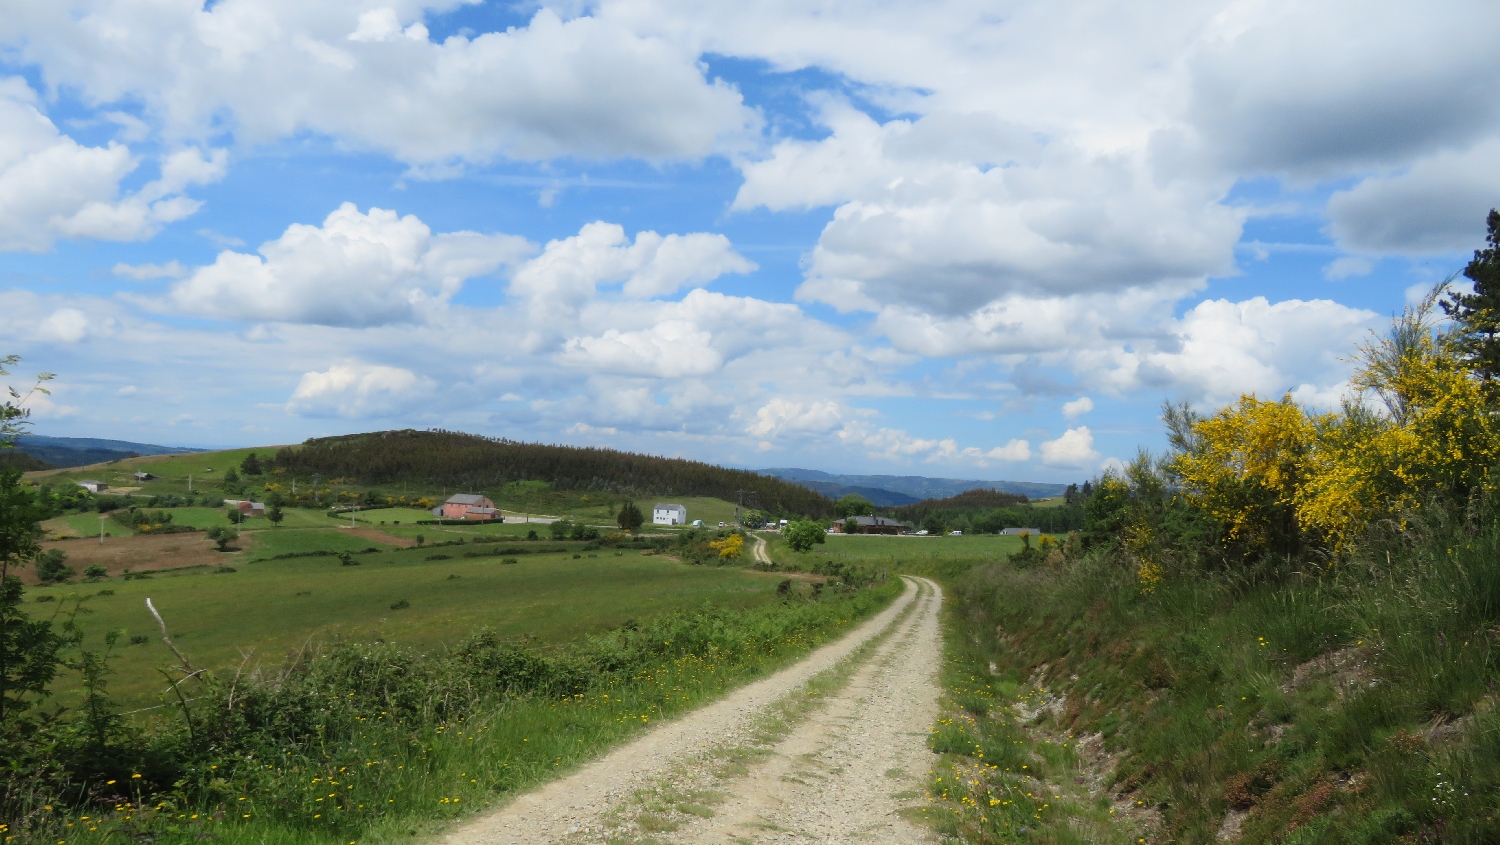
<point>760,551</point>
<point>829,750</point>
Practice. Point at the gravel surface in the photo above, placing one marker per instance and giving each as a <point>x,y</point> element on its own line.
<point>840,759</point>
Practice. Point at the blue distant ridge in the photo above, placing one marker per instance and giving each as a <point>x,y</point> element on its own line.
<point>893,490</point>
<point>82,451</point>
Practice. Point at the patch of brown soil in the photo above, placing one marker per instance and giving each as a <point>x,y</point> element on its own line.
<point>1348,669</point>
<point>146,552</point>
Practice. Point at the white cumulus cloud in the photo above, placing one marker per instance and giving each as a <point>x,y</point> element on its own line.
<point>359,391</point>
<point>357,269</point>
<point>784,415</point>
<point>1075,448</point>
<point>51,186</point>
<point>670,349</point>
<point>374,79</point>
<point>1256,346</point>
<point>1078,407</point>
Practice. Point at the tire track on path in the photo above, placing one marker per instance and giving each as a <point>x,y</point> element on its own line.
<point>865,747</point>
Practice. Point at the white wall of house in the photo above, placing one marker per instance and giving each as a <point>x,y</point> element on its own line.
<point>668,515</point>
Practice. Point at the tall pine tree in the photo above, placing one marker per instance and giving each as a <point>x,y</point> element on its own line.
<point>1478,314</point>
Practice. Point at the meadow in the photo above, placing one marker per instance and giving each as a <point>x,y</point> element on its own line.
<point>381,741</point>
<point>276,607</point>
<point>172,471</point>
<point>916,555</point>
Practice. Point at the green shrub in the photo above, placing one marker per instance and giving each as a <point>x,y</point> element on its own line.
<point>51,567</point>
<point>803,534</point>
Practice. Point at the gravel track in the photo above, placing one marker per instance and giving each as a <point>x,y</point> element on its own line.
<point>760,551</point>
<point>841,770</point>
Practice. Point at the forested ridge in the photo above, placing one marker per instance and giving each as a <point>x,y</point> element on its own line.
<point>462,460</point>
<point>986,511</point>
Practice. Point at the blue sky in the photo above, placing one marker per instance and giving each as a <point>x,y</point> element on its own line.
<point>955,238</point>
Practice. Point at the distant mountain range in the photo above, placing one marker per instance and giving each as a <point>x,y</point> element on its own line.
<point>895,490</point>
<point>81,451</point>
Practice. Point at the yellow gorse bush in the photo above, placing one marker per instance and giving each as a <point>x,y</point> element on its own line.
<point>1248,466</point>
<point>1271,470</point>
<point>729,547</point>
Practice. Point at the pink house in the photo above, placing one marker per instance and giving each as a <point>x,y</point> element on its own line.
<point>467,506</point>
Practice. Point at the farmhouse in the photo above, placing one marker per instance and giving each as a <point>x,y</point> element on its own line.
<point>1017,531</point>
<point>467,506</point>
<point>663,514</point>
<point>144,476</point>
<point>246,507</point>
<point>871,525</point>
<point>93,486</point>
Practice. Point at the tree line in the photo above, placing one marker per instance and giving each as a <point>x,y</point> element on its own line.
<point>468,461</point>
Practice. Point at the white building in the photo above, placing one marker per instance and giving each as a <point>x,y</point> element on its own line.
<point>668,514</point>
<point>93,486</point>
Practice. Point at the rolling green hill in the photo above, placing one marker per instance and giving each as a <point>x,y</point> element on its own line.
<point>466,461</point>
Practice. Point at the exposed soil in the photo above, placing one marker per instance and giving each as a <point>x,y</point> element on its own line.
<point>774,761</point>
<point>146,552</point>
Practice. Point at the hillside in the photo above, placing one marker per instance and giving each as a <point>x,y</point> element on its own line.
<point>988,511</point>
<point>83,451</point>
<point>22,461</point>
<point>470,461</point>
<point>913,487</point>
<point>880,497</point>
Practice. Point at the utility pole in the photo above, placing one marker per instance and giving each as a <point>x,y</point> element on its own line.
<point>190,482</point>
<point>101,530</point>
<point>316,500</point>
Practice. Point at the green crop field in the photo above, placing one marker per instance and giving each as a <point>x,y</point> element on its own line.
<point>275,607</point>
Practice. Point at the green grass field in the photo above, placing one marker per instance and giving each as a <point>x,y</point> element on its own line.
<point>172,470</point>
<point>291,541</point>
<point>917,555</point>
<point>274,607</point>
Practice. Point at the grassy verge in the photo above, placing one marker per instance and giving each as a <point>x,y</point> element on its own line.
<point>1350,706</point>
<point>377,743</point>
<point>1003,772</point>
